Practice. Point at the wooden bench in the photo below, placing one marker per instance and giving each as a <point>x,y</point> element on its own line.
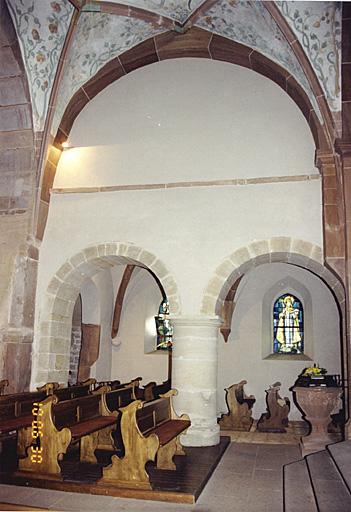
<point>113,401</point>
<point>116,384</point>
<point>62,423</point>
<point>240,408</point>
<point>76,391</point>
<point>16,410</point>
<point>150,431</point>
<point>16,415</point>
<point>110,383</point>
<point>152,391</point>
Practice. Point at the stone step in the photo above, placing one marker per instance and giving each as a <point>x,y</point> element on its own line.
<point>298,492</point>
<point>341,454</point>
<point>330,490</point>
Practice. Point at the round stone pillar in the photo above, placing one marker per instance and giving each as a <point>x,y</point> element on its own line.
<point>194,375</point>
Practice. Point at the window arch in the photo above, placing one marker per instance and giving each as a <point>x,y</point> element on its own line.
<point>288,322</point>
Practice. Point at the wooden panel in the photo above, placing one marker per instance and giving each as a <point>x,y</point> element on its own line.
<point>90,349</point>
<point>89,407</point>
<point>64,414</point>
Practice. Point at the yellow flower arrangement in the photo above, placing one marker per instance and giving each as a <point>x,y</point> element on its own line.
<point>314,371</point>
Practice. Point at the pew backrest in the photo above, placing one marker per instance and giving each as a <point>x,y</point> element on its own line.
<point>118,398</point>
<point>27,395</point>
<point>69,412</point>
<point>72,392</point>
<point>153,414</point>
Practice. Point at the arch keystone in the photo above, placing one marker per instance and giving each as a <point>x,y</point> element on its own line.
<point>101,250</point>
<point>133,252</point>
<point>280,244</point>
<point>91,253</point>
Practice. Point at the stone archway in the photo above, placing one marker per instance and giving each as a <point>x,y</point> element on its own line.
<point>277,249</point>
<point>288,250</point>
<point>52,346</point>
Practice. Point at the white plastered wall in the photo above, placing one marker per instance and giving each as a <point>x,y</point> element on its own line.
<point>192,121</point>
<point>241,357</point>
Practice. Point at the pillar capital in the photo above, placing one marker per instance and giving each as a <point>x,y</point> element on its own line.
<point>324,159</point>
<point>196,321</point>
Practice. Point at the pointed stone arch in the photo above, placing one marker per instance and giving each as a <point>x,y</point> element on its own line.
<point>51,350</point>
<point>194,42</point>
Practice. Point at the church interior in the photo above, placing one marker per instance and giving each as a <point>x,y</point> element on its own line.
<point>175,264</point>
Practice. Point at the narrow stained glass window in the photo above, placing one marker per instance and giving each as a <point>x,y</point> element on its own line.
<point>288,325</point>
<point>163,327</point>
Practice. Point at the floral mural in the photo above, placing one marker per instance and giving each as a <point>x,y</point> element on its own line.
<point>177,10</point>
<point>41,27</point>
<point>99,38</point>
<point>317,26</point>
<point>251,24</point>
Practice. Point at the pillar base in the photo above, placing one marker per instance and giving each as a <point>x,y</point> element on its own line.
<point>199,436</point>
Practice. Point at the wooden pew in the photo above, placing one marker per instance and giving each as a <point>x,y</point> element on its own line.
<point>16,416</point>
<point>62,423</point>
<point>152,391</point>
<point>76,391</point>
<point>116,384</point>
<point>49,387</point>
<point>276,417</point>
<point>112,384</point>
<point>161,389</point>
<point>240,408</point>
<point>150,431</point>
<point>113,401</point>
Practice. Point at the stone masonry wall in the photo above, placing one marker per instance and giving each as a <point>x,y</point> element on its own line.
<point>76,343</point>
<point>18,254</point>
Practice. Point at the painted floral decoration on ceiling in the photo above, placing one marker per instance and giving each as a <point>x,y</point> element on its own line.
<point>177,10</point>
<point>41,28</point>
<point>98,39</point>
<point>317,26</point>
<point>251,24</point>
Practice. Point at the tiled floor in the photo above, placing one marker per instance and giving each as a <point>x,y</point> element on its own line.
<point>247,479</point>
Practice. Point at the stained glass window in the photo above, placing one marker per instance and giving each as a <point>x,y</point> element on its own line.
<point>163,327</point>
<point>288,325</point>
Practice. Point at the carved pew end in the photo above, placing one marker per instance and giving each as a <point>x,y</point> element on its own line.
<point>239,407</point>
